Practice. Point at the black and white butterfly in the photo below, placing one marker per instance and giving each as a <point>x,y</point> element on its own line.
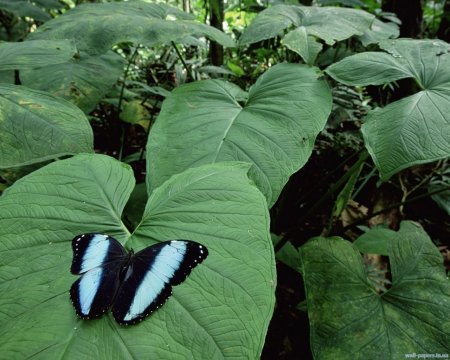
<point>133,285</point>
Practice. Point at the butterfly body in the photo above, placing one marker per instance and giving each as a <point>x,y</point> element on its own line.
<point>132,284</point>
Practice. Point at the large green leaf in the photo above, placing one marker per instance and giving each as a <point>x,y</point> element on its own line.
<point>221,311</point>
<point>210,121</point>
<point>24,8</point>
<point>328,23</point>
<point>36,126</point>
<point>415,129</point>
<point>350,320</point>
<point>31,54</point>
<point>95,28</point>
<point>83,81</point>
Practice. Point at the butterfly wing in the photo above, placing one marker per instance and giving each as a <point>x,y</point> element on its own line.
<point>93,250</point>
<point>153,271</point>
<point>100,259</point>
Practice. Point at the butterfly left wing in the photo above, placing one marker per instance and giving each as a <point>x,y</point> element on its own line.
<point>93,250</point>
<point>99,258</point>
<point>153,272</point>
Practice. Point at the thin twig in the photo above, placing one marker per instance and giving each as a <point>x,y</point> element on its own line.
<point>119,105</point>
<point>182,60</point>
<point>390,207</point>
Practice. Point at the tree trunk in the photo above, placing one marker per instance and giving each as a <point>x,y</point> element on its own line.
<point>216,20</point>
<point>443,32</point>
<point>187,6</point>
<point>409,12</point>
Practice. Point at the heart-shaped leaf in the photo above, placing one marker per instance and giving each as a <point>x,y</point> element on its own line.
<point>83,80</point>
<point>328,23</point>
<point>95,28</point>
<point>36,126</point>
<point>221,311</point>
<point>31,54</point>
<point>210,121</point>
<point>415,129</point>
<point>411,317</point>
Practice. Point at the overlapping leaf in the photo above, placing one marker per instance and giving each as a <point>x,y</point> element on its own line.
<point>24,8</point>
<point>221,311</point>
<point>274,126</point>
<point>380,31</point>
<point>328,23</point>
<point>415,129</point>
<point>83,81</point>
<point>36,126</point>
<point>95,28</point>
<point>411,317</point>
<point>31,54</point>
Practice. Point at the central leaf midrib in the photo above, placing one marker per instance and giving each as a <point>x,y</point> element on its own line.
<point>225,133</point>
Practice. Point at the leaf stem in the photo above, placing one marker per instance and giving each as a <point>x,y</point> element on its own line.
<point>363,157</point>
<point>119,105</point>
<point>182,60</point>
<point>390,207</point>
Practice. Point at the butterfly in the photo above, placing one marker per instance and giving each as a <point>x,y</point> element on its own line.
<point>132,285</point>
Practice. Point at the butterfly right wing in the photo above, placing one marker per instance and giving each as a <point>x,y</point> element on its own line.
<point>152,273</point>
<point>99,259</point>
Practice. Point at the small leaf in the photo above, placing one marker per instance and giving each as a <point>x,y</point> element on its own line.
<point>441,181</point>
<point>290,256</point>
<point>36,126</point>
<point>303,44</point>
<point>345,195</point>
<point>135,113</point>
<point>22,8</point>
<point>375,241</point>
<point>236,69</point>
<point>380,31</point>
<point>343,306</point>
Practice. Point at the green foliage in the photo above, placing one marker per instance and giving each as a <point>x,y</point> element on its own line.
<point>375,241</point>
<point>350,320</point>
<point>219,153</point>
<point>95,31</point>
<point>84,80</point>
<point>31,54</point>
<point>380,31</point>
<point>330,24</point>
<point>36,126</point>
<point>24,8</point>
<point>89,192</point>
<point>273,126</point>
<point>413,130</point>
<point>441,182</point>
